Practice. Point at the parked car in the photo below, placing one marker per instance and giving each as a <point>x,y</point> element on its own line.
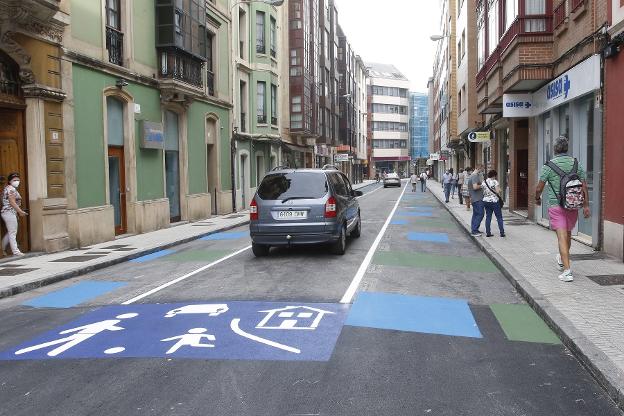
<point>304,206</point>
<point>392,179</point>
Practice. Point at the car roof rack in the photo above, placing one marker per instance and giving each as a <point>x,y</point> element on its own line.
<point>280,168</point>
<point>328,167</point>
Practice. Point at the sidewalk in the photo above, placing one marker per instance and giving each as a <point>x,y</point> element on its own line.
<point>587,316</point>
<point>26,273</point>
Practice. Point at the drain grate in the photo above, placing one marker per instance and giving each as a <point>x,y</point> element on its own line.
<point>591,256</point>
<point>608,279</point>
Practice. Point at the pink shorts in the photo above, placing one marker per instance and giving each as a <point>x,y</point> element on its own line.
<point>562,219</point>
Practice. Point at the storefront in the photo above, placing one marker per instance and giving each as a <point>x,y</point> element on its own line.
<point>569,105</point>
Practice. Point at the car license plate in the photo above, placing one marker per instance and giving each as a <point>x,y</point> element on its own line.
<point>292,214</point>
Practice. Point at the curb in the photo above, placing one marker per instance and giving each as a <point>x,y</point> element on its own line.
<point>17,289</point>
<point>600,366</point>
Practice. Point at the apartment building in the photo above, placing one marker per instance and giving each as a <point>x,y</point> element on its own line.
<point>613,192</point>
<point>352,109</point>
<point>389,114</point>
<point>539,76</point>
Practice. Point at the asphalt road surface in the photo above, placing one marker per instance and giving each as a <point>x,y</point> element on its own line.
<point>412,320</point>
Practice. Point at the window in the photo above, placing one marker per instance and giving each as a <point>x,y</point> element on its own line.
<point>295,59</point>
<point>326,42</point>
<point>511,11</point>
<point>295,71</point>
<point>389,126</point>
<point>274,104</point>
<point>493,29</point>
<point>459,54</point>
<point>459,102</point>
<point>273,38</point>
<point>260,46</point>
<point>535,7</point>
<point>113,14</point>
<point>210,81</point>
<point>178,22</point>
<point>260,104</point>
<point>296,121</point>
<point>295,104</point>
<point>295,24</point>
<point>481,41</point>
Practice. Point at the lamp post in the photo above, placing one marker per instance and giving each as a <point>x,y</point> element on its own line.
<point>235,134</point>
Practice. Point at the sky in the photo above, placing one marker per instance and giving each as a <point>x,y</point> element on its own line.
<point>393,32</point>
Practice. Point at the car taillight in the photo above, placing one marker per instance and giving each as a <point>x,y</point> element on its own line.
<point>330,208</point>
<point>253,210</point>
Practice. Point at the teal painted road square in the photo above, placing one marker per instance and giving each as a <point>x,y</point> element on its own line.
<point>225,236</point>
<point>399,222</point>
<point>414,214</point>
<point>429,237</point>
<point>427,315</point>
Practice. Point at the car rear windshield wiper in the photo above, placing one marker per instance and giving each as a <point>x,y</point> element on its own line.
<point>296,197</point>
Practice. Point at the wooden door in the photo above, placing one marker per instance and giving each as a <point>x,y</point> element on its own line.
<point>117,187</point>
<point>522,188</point>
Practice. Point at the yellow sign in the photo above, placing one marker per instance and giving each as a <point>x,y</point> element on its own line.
<point>479,136</point>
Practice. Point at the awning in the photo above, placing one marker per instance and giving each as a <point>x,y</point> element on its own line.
<point>295,147</point>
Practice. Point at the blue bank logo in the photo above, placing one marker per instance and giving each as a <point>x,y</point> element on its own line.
<point>558,88</point>
<point>232,330</point>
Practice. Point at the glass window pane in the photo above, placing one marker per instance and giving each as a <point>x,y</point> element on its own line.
<point>114,122</point>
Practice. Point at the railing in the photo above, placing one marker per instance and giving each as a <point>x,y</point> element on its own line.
<point>532,25</point>
<point>260,48</point>
<point>262,119</point>
<point>576,4</point>
<point>210,82</point>
<point>241,49</point>
<point>114,45</point>
<point>243,124</point>
<point>274,121</point>
<point>273,53</point>
<point>182,68</point>
<point>559,15</point>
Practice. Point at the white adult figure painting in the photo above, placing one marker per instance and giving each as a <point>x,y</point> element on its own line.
<point>193,339</point>
<point>81,334</point>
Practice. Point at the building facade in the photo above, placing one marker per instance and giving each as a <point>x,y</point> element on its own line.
<point>613,211</point>
<point>389,114</point>
<point>539,76</point>
<point>419,128</point>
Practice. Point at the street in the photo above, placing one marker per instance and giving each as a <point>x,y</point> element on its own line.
<point>413,319</point>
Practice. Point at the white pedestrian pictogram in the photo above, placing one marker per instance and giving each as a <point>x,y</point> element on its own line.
<point>193,338</point>
<point>81,334</point>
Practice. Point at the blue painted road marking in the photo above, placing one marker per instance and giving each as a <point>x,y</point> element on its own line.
<point>431,237</point>
<point>414,214</point>
<point>413,314</point>
<point>225,236</point>
<point>152,256</point>
<point>73,295</point>
<point>398,222</point>
<point>420,209</point>
<point>220,330</point>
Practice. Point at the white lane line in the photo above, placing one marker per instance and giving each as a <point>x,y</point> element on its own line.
<point>368,193</point>
<point>236,328</point>
<point>357,279</point>
<point>186,276</point>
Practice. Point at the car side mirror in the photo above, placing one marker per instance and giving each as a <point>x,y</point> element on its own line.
<point>358,193</point>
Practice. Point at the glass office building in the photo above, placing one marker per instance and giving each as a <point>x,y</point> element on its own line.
<point>419,125</point>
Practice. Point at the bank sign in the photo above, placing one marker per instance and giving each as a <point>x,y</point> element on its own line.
<point>580,80</point>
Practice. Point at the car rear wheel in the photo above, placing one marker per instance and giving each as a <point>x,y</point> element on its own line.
<point>260,250</point>
<point>340,246</point>
<point>357,231</point>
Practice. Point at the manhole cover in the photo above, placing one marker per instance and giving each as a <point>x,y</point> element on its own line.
<point>76,259</point>
<point>14,271</point>
<point>590,256</point>
<point>608,279</point>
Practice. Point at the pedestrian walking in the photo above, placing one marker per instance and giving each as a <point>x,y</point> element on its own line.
<point>11,202</point>
<point>447,178</point>
<point>465,189</point>
<point>493,203</point>
<point>454,180</point>
<point>414,180</point>
<point>423,181</point>
<point>460,184</point>
<point>475,183</point>
<point>567,194</point>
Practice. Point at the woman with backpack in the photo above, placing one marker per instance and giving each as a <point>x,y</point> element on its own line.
<point>567,193</point>
<point>493,203</point>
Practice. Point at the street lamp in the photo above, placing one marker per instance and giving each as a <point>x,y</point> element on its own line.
<point>436,38</point>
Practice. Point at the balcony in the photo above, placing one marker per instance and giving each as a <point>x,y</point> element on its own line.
<point>181,67</point>
<point>260,48</point>
<point>210,82</point>
<point>274,121</point>
<point>262,118</point>
<point>114,46</point>
<point>273,53</point>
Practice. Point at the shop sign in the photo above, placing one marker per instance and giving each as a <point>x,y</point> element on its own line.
<point>479,136</point>
<point>153,136</point>
<point>341,157</point>
<point>434,156</point>
<point>517,105</point>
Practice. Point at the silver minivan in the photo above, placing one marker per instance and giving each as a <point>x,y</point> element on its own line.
<point>304,206</point>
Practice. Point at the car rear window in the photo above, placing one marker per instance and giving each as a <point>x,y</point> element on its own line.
<point>310,185</point>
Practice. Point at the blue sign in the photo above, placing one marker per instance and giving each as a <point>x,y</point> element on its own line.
<point>232,330</point>
<point>518,104</point>
<point>557,88</point>
<point>153,135</point>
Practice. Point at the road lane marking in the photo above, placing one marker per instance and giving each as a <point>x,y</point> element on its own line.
<point>368,193</point>
<point>186,276</point>
<point>357,279</point>
<point>235,327</point>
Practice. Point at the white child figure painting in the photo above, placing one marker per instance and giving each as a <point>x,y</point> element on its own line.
<point>80,334</point>
<point>193,338</point>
